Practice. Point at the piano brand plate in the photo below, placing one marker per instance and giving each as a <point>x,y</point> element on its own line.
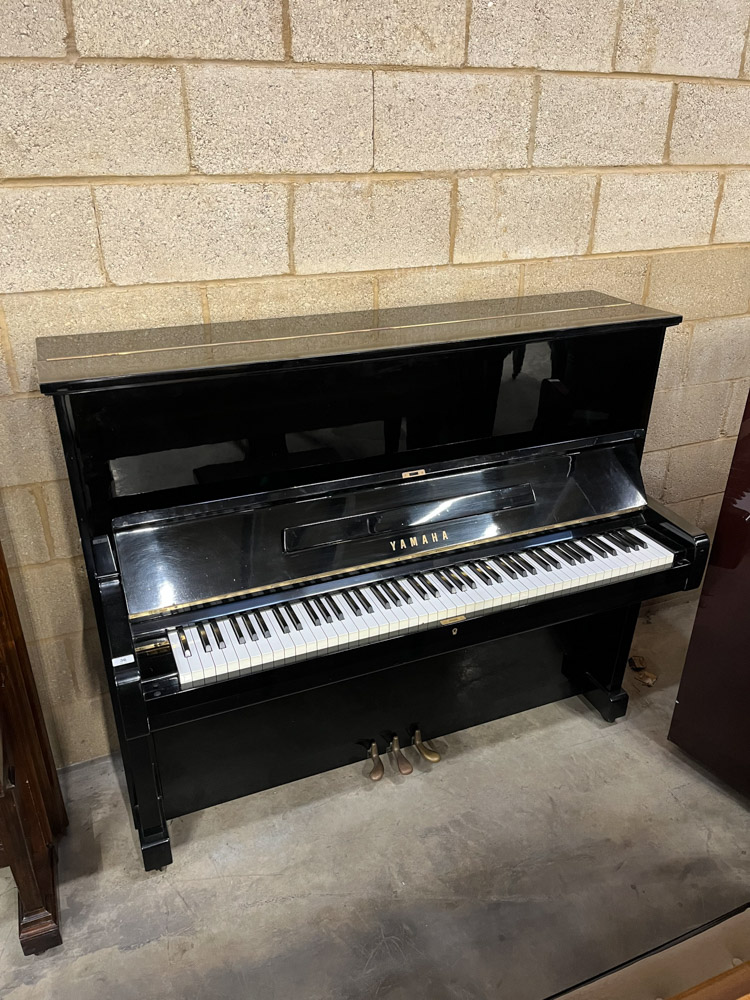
<point>312,541</point>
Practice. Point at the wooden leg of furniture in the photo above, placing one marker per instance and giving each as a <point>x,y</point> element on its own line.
<point>33,864</point>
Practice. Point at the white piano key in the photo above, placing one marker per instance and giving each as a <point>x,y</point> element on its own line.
<point>184,668</point>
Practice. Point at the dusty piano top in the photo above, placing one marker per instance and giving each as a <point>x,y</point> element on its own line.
<point>78,361</point>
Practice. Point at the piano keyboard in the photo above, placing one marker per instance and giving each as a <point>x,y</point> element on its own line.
<point>224,648</point>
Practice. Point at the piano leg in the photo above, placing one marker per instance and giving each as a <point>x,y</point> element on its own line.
<point>148,810</point>
<point>596,655</point>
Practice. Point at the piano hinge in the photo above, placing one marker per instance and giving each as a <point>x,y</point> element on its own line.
<point>452,621</point>
<point>413,474</point>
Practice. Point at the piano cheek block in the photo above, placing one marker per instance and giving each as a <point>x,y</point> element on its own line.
<point>322,527</point>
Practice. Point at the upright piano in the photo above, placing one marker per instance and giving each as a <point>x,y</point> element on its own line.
<point>320,540</point>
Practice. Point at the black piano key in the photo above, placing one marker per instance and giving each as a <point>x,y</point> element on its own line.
<point>466,577</point>
<point>481,572</point>
<point>335,608</point>
<point>293,617</point>
<point>551,557</point>
<point>237,630</point>
<point>264,629</point>
<point>506,567</point>
<point>572,551</point>
<point>564,554</point>
<point>352,603</point>
<point>515,563</point>
<point>601,540</point>
<point>454,578</point>
<point>592,544</point>
<point>633,539</point>
<point>447,584</point>
<point>313,614</point>
<point>364,602</point>
<point>204,638</point>
<point>391,594</point>
<point>402,592</point>
<point>283,624</point>
<point>325,613</point>
<point>526,563</point>
<point>429,586</point>
<point>184,643</point>
<point>539,559</point>
<point>581,550</point>
<point>380,596</point>
<point>622,545</point>
<point>217,635</point>
<point>491,571</point>
<point>248,623</point>
<point>624,539</point>
<point>417,587</point>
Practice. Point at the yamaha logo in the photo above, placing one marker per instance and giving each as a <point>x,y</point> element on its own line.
<point>417,541</point>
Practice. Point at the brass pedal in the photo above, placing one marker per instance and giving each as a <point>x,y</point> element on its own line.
<point>378,770</point>
<point>401,762</point>
<point>431,755</point>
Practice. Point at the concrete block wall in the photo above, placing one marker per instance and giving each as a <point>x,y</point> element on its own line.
<point>183,161</point>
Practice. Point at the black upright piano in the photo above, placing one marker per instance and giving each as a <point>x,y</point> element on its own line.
<point>313,541</point>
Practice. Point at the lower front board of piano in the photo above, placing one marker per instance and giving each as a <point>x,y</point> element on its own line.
<point>221,756</point>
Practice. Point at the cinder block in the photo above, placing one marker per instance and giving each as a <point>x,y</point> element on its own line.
<point>691,38</point>
<point>184,29</point>
<point>673,357</point>
<point>58,120</point>
<point>701,283</point>
<point>100,309</point>
<point>697,470</point>
<point>30,449</point>
<point>451,121</point>
<point>736,408</point>
<point>623,277</point>
<point>192,232</point>
<point>719,349</point>
<point>274,297</point>
<point>61,516</point>
<point>389,32</point>
<point>687,414</point>
<point>36,29</point>
<point>253,120</point>
<point>709,513</point>
<point>81,729</point>
<point>453,284</point>
<point>584,121</point>
<point>21,528</point>
<point>5,384</point>
<point>559,34</point>
<point>711,124</point>
<point>689,509</point>
<point>53,598</point>
<point>50,663</point>
<point>733,222</point>
<point>49,239</point>
<point>654,472</point>
<point>649,210</point>
<point>524,215</point>
<point>371,225</point>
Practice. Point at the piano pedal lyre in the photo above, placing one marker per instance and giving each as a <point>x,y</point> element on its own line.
<point>402,763</point>
<point>378,770</point>
<point>424,751</point>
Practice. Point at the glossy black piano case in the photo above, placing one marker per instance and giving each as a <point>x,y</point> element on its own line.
<point>165,427</point>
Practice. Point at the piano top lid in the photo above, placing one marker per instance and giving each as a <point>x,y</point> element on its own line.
<point>80,361</point>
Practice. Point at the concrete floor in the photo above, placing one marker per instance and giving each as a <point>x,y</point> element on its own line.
<point>542,850</point>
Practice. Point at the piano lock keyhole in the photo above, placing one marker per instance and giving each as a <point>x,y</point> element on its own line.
<point>454,631</point>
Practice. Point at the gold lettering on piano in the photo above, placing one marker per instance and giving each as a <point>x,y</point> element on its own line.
<point>416,541</point>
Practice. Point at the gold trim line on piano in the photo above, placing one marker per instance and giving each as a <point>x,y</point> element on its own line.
<point>330,333</point>
<point>349,570</point>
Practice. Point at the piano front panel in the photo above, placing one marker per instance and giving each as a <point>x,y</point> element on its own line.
<point>182,441</point>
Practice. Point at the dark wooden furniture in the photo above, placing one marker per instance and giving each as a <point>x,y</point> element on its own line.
<point>711,716</point>
<point>288,524</point>
<point>32,812</point>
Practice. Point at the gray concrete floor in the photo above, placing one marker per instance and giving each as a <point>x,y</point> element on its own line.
<point>544,849</point>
